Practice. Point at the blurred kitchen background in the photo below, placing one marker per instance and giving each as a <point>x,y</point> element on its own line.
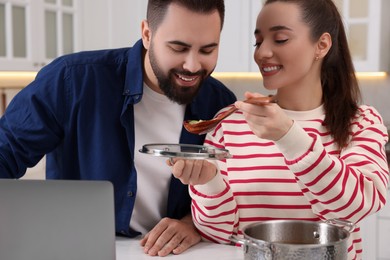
<point>34,32</point>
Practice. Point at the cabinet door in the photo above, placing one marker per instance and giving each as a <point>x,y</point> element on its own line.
<point>36,31</point>
<point>367,27</point>
<point>14,49</point>
<point>59,27</point>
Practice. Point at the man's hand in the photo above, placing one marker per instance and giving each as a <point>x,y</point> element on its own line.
<point>170,236</point>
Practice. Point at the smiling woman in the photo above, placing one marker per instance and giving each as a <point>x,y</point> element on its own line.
<point>294,160</point>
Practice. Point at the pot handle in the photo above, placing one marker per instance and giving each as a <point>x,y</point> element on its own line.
<point>245,244</point>
<point>343,223</point>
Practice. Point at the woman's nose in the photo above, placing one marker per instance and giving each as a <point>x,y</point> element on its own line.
<point>263,51</point>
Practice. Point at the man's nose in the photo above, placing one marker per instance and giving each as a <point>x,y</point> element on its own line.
<point>192,63</point>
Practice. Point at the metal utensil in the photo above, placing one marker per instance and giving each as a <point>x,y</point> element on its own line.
<point>204,126</point>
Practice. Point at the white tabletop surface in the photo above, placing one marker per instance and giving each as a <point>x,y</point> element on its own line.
<point>127,249</point>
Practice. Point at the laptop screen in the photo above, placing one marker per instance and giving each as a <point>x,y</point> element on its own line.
<point>56,220</point>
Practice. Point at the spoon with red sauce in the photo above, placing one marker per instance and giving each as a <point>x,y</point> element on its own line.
<point>204,126</point>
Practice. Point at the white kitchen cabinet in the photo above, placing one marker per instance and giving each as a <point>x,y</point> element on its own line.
<point>367,24</point>
<point>100,24</point>
<point>113,24</point>
<point>33,32</point>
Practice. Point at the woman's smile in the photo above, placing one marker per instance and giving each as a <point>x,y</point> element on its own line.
<point>269,70</point>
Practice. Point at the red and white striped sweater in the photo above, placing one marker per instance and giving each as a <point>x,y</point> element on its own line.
<point>303,176</point>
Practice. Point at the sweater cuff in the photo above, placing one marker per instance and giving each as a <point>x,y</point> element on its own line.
<point>295,143</point>
<point>213,187</point>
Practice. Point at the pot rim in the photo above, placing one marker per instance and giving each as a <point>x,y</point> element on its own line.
<point>302,246</point>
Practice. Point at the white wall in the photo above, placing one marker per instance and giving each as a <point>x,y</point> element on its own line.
<point>111,24</point>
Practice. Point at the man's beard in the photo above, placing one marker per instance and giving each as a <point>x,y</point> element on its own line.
<point>180,94</point>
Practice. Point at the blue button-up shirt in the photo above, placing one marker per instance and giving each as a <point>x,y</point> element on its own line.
<point>79,112</point>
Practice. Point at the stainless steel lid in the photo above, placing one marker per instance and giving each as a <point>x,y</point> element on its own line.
<point>189,151</point>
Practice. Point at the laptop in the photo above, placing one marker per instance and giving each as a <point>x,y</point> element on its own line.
<point>56,220</point>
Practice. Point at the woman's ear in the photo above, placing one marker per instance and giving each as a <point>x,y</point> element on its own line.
<point>323,45</point>
<point>145,34</point>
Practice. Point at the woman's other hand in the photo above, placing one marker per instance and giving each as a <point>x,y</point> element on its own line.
<point>193,172</point>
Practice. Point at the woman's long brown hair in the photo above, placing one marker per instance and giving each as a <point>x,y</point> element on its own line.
<point>341,93</point>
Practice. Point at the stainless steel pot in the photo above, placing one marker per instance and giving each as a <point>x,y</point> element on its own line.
<point>295,239</point>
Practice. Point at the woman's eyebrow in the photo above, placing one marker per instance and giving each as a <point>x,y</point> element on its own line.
<point>279,28</point>
<point>275,29</point>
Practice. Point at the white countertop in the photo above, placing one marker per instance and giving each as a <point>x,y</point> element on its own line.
<point>127,249</point>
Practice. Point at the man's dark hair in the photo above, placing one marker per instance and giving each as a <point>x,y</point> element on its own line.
<point>157,9</point>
